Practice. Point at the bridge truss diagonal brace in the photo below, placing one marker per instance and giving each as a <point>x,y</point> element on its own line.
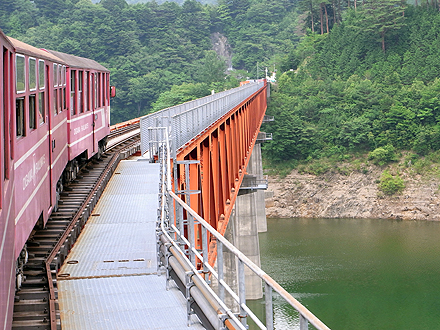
<point>222,152</point>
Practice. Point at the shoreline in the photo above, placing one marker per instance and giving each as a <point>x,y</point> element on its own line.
<point>334,195</point>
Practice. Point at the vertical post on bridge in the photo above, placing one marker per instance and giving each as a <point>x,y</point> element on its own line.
<point>221,289</point>
<point>269,306</point>
<point>303,323</point>
<point>205,253</point>
<point>242,292</point>
<point>189,217</point>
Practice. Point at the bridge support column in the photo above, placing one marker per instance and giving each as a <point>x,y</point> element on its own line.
<point>255,167</point>
<point>246,240</point>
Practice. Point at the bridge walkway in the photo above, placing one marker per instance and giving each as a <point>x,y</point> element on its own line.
<point>110,278</point>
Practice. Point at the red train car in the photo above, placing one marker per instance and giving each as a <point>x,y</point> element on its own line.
<point>55,114</point>
<point>89,104</point>
<point>7,258</point>
<point>40,151</point>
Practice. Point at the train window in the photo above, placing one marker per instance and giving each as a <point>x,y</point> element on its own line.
<point>41,74</point>
<point>96,91</point>
<point>40,108</point>
<point>60,100</point>
<point>107,88</point>
<point>55,75</point>
<point>32,113</point>
<point>99,90</point>
<point>55,101</point>
<point>20,75</point>
<point>60,80</point>
<point>64,98</point>
<point>19,114</point>
<point>6,109</point>
<point>80,91</point>
<point>32,74</point>
<point>72,92</point>
<point>86,91</point>
<point>63,75</point>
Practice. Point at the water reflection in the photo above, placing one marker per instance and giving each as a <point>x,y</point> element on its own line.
<point>355,274</point>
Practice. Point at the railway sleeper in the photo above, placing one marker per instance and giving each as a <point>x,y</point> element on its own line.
<point>49,235</point>
<point>29,305</point>
<point>34,281</point>
<point>33,325</point>
<point>39,251</point>
<point>65,212</point>
<point>33,294</point>
<point>58,226</point>
<point>32,315</point>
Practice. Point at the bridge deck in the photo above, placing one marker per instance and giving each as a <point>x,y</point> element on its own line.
<point>110,280</point>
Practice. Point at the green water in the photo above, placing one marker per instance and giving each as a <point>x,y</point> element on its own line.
<point>355,274</point>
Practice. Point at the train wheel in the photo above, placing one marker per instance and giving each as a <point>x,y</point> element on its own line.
<point>75,169</point>
<point>101,150</point>
<point>58,194</point>
<point>21,261</point>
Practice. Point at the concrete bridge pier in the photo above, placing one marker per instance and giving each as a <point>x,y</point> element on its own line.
<point>246,240</point>
<point>246,221</point>
<point>255,167</point>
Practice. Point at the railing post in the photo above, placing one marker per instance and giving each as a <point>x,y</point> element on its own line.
<point>221,289</point>
<point>269,306</point>
<point>242,291</point>
<point>191,237</point>
<point>303,323</point>
<point>205,253</point>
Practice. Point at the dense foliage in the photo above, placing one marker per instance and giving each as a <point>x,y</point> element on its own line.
<point>151,47</point>
<point>348,93</point>
<point>362,78</point>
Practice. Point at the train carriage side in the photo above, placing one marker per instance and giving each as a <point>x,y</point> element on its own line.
<point>7,259</point>
<point>40,150</point>
<point>89,109</point>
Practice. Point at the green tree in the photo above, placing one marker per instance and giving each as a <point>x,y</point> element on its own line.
<point>211,68</point>
<point>390,184</point>
<point>381,17</point>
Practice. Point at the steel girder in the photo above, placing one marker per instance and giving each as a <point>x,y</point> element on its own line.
<point>218,158</point>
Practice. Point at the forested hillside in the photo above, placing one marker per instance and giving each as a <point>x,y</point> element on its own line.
<point>151,47</point>
<point>370,85</point>
<point>353,76</point>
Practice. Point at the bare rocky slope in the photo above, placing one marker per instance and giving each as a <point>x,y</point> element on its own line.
<point>355,195</point>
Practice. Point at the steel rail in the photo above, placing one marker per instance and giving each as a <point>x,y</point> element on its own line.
<point>123,130</point>
<point>62,240</point>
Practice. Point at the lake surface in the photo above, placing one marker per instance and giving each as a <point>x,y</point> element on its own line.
<point>355,274</point>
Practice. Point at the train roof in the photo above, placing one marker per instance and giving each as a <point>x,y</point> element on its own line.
<point>21,47</point>
<point>4,37</point>
<point>78,62</point>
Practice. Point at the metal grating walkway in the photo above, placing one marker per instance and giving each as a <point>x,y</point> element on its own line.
<point>109,280</point>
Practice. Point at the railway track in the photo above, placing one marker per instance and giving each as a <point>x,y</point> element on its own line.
<point>36,305</point>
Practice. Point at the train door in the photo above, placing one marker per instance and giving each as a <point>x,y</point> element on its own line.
<point>48,95</point>
<point>94,106</point>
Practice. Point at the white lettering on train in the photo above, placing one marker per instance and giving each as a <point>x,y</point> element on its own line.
<point>32,173</point>
<point>80,129</point>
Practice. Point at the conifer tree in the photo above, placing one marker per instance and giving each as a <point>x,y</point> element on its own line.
<point>382,17</point>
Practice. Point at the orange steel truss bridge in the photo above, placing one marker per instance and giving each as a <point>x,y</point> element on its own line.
<point>212,140</point>
<point>204,147</point>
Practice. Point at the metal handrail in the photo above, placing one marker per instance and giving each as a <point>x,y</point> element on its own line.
<point>170,231</point>
<point>204,110</point>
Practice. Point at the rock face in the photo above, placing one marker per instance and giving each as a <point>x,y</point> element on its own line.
<point>222,48</point>
<point>334,195</point>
